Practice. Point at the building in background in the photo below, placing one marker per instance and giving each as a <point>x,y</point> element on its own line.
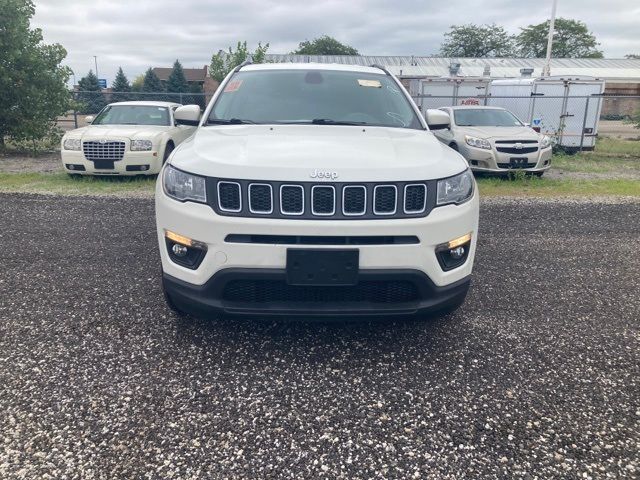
<point>194,76</point>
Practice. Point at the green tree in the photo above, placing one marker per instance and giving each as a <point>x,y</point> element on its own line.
<point>324,45</point>
<point>633,56</point>
<point>121,87</point>
<point>33,91</point>
<point>138,83</point>
<point>90,95</point>
<point>571,39</point>
<point>223,62</point>
<point>477,41</point>
<point>177,83</point>
<point>152,84</point>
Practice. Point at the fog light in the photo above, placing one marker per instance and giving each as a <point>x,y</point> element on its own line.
<point>183,250</point>
<point>454,253</point>
<point>179,250</point>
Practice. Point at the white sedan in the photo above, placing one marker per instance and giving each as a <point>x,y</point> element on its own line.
<point>125,138</point>
<point>493,140</point>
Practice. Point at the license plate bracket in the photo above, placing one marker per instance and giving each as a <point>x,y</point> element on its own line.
<point>103,164</point>
<point>318,267</point>
<point>519,161</point>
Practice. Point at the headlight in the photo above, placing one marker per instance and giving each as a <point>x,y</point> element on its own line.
<point>545,142</point>
<point>140,145</point>
<point>72,144</point>
<point>477,142</point>
<point>183,186</point>
<point>456,189</point>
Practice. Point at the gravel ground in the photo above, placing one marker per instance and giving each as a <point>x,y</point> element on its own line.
<point>536,376</point>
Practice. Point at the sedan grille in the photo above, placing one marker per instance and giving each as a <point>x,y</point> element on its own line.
<point>97,151</point>
<point>514,150</point>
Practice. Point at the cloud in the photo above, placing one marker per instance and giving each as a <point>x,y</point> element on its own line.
<point>144,33</point>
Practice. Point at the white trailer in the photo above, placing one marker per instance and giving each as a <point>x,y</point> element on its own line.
<point>567,109</point>
<point>450,91</point>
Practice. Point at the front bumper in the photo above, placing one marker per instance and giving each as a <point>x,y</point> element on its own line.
<point>150,160</point>
<point>265,292</point>
<point>202,287</point>
<point>492,161</point>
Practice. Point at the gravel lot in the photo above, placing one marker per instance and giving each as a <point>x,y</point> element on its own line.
<point>537,376</point>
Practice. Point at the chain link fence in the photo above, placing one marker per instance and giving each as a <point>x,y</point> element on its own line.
<point>573,122</point>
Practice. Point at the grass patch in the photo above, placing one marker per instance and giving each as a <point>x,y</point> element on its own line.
<point>596,163</point>
<point>615,146</point>
<point>61,183</point>
<point>544,187</point>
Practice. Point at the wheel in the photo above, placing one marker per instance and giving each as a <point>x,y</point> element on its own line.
<point>454,146</point>
<point>167,151</point>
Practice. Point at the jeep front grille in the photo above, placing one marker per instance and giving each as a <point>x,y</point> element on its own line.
<point>309,200</point>
<point>112,151</point>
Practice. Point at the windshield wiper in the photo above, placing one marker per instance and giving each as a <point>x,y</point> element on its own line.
<point>228,121</point>
<point>328,121</point>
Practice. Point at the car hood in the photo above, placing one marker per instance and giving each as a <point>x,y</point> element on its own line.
<point>522,133</point>
<point>294,152</point>
<point>118,131</point>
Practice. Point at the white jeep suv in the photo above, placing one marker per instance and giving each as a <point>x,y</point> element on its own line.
<point>313,189</point>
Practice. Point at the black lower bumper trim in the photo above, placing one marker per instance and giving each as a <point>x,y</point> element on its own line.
<point>265,292</point>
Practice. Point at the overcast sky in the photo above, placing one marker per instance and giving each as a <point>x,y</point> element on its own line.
<point>142,33</point>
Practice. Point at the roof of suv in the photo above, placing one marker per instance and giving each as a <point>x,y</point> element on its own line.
<point>312,66</point>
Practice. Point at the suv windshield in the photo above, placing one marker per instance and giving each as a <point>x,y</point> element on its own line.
<point>133,115</point>
<point>485,117</point>
<point>323,97</point>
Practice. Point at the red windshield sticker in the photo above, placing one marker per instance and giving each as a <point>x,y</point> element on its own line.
<point>233,85</point>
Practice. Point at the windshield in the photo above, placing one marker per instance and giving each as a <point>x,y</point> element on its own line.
<point>324,97</point>
<point>132,115</point>
<point>485,117</point>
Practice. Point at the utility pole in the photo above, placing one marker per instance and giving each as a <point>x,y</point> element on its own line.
<point>546,70</point>
<point>95,59</point>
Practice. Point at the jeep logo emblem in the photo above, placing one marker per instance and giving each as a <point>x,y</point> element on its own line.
<point>319,174</point>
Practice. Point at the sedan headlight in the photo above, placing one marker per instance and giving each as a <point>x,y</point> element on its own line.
<point>545,141</point>
<point>72,144</point>
<point>183,186</point>
<point>456,189</point>
<point>141,145</point>
<point>477,142</point>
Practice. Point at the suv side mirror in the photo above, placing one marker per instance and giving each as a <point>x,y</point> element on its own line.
<point>437,119</point>
<point>187,115</point>
<point>89,118</point>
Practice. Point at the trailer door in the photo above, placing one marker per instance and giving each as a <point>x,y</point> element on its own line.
<point>549,107</point>
<point>437,94</point>
<point>582,111</point>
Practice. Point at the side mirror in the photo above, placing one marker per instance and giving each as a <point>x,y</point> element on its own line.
<point>187,115</point>
<point>89,118</point>
<point>437,119</point>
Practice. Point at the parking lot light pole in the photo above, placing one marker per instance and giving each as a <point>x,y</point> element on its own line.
<point>95,59</point>
<point>546,70</point>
